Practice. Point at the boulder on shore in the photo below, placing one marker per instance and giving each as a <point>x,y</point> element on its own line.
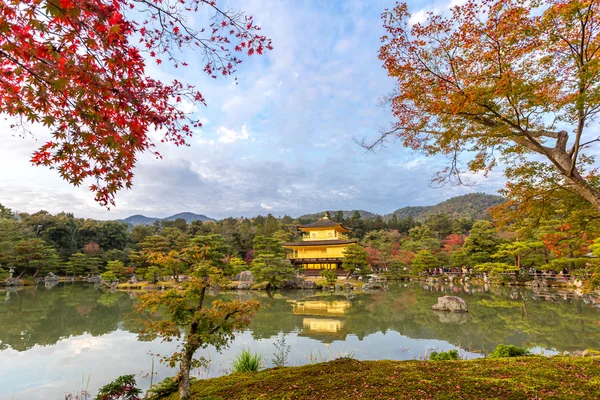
<point>299,283</point>
<point>450,303</point>
<point>244,276</point>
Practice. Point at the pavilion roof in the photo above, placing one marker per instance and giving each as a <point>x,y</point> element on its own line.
<point>324,223</point>
<point>323,242</point>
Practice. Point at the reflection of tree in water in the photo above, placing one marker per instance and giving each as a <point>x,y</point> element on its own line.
<point>38,316</point>
<point>500,315</point>
<point>520,316</point>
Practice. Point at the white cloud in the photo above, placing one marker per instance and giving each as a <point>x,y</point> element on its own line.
<point>288,152</point>
<point>418,17</point>
<point>230,136</point>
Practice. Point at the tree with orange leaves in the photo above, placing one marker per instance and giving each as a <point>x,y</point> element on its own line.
<point>506,80</point>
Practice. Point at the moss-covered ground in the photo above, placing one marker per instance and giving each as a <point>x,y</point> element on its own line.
<point>511,378</point>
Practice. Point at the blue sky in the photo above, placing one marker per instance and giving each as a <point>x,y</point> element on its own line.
<point>281,140</point>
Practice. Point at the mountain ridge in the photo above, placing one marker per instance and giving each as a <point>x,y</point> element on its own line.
<point>475,205</point>
<point>139,219</point>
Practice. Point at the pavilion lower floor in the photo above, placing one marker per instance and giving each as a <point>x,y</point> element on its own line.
<point>314,266</point>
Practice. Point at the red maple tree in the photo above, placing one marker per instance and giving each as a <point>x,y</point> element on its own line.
<point>79,68</point>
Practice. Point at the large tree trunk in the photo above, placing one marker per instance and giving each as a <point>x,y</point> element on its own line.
<point>564,162</point>
<point>185,365</point>
<point>184,374</point>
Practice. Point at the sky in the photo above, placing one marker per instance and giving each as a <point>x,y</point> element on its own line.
<point>281,140</point>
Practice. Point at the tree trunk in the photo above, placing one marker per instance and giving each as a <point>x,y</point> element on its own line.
<point>184,374</point>
<point>561,159</point>
<point>185,365</point>
<point>37,271</point>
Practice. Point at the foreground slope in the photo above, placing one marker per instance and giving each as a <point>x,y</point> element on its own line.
<point>509,378</point>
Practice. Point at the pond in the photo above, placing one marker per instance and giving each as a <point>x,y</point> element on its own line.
<point>73,336</point>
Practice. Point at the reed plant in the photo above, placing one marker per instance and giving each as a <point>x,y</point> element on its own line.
<point>246,361</point>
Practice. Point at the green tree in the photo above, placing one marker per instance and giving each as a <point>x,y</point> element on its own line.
<point>198,228</point>
<point>482,242</point>
<point>191,313</point>
<point>113,235</point>
<point>268,245</point>
<point>139,233</point>
<point>34,255</point>
<point>272,269</point>
<point>6,213</point>
<point>440,224</point>
<point>178,223</point>
<point>109,276</point>
<point>355,259</point>
<point>397,268</point>
<point>236,265</point>
<point>339,217</point>
<point>517,250</point>
<point>357,224</point>
<point>459,258</point>
<point>10,234</point>
<point>424,260</point>
<point>117,269</point>
<point>330,275</point>
<point>77,265</point>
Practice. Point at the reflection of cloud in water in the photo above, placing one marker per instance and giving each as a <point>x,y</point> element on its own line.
<point>53,352</point>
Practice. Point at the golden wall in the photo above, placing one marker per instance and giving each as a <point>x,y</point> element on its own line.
<point>318,251</point>
<point>320,234</point>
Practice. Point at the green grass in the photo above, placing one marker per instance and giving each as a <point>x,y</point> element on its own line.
<point>531,377</point>
<point>247,362</point>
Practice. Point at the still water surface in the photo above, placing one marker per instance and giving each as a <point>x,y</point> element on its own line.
<point>60,340</point>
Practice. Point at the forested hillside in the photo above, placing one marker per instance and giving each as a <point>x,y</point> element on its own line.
<point>472,205</point>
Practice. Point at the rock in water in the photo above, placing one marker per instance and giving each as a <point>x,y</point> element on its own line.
<point>450,303</point>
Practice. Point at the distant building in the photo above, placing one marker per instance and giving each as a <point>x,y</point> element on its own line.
<point>322,247</point>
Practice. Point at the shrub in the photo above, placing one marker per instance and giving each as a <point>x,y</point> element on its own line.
<point>330,276</point>
<point>508,350</point>
<point>109,276</point>
<point>122,388</point>
<point>247,362</point>
<point>163,389</point>
<point>444,355</point>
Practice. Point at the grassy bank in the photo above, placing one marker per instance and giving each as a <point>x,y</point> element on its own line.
<point>510,378</point>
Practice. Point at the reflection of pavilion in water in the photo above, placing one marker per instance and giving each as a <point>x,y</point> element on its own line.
<point>323,317</point>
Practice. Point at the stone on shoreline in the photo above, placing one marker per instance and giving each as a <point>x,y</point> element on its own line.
<point>450,303</point>
<point>244,276</point>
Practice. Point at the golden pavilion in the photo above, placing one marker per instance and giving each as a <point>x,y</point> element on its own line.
<point>322,247</point>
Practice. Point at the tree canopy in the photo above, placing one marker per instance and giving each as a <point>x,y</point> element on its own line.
<point>80,68</point>
<point>503,81</point>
